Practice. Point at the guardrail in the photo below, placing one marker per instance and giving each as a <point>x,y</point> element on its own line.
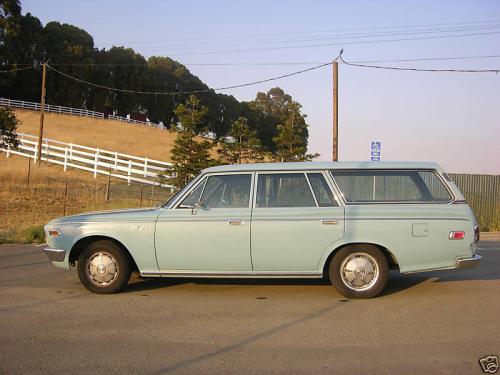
<point>94,160</point>
<point>72,111</point>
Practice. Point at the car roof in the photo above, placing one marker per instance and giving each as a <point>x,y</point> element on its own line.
<point>321,166</point>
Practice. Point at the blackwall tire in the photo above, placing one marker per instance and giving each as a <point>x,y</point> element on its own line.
<point>104,267</point>
<point>359,271</point>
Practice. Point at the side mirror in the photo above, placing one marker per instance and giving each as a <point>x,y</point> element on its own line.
<point>194,208</point>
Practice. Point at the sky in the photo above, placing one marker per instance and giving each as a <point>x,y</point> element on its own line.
<point>449,118</point>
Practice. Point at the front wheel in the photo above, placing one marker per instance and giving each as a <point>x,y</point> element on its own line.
<point>103,267</point>
<point>359,271</point>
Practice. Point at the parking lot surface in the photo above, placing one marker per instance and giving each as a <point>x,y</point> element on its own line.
<point>436,322</point>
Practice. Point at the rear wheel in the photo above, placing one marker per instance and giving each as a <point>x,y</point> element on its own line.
<point>359,271</point>
<point>103,267</point>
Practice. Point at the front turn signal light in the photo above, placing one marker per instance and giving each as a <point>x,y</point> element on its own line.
<point>457,235</point>
<point>54,233</point>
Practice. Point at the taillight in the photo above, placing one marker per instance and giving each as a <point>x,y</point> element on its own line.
<point>457,235</point>
<point>476,233</point>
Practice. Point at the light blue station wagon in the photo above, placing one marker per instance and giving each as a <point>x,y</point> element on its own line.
<point>348,221</point>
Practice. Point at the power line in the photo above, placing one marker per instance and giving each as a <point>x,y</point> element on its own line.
<point>301,39</point>
<point>420,69</point>
<point>430,59</point>
<point>194,91</point>
<point>275,63</point>
<point>16,69</point>
<point>375,41</point>
<point>303,32</point>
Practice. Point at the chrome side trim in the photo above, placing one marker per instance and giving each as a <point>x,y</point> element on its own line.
<point>55,255</point>
<point>235,274</point>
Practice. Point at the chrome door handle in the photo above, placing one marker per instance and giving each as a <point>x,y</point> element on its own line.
<point>329,222</point>
<point>235,222</point>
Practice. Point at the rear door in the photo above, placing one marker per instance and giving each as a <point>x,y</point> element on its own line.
<point>295,219</point>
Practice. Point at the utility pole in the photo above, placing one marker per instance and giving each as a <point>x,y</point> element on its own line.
<point>42,113</point>
<point>335,140</point>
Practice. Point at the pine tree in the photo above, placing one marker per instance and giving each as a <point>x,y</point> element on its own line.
<point>190,154</point>
<point>241,145</point>
<point>291,142</point>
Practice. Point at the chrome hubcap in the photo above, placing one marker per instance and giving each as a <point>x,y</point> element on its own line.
<point>359,271</point>
<point>102,268</point>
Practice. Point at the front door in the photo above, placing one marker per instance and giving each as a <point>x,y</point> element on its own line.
<point>210,229</point>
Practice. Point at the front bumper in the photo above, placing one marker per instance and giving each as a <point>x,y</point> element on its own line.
<point>473,261</point>
<point>55,255</point>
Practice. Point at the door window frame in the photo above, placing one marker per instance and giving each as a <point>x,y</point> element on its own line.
<point>203,180</point>
<point>304,172</point>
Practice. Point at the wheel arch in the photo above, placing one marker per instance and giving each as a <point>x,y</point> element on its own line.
<point>83,242</point>
<point>391,259</point>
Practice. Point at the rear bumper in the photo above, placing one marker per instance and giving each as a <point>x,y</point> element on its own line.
<point>473,261</point>
<point>55,255</point>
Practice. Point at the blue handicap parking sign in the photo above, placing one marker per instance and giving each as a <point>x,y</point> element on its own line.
<point>375,153</point>
<point>375,158</point>
<point>376,145</point>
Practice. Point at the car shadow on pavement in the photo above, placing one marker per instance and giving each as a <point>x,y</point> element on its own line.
<point>397,282</point>
<point>143,284</point>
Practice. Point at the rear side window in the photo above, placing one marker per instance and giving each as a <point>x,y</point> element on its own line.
<point>284,190</point>
<point>379,186</point>
<point>321,190</point>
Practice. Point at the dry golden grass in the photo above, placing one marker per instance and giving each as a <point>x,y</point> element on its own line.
<point>25,208</point>
<point>137,140</point>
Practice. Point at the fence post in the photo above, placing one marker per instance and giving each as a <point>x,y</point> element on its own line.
<point>46,149</point>
<point>116,160</point>
<point>8,150</point>
<point>152,193</point>
<point>109,185</point>
<point>29,172</point>
<point>129,170</point>
<point>65,196</point>
<point>65,158</point>
<point>36,152</point>
<point>96,161</point>
<point>145,166</point>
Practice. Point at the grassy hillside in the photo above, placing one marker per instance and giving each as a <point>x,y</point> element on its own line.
<point>26,207</point>
<point>143,141</point>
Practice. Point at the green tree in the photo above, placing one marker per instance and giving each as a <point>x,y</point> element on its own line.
<point>190,154</point>
<point>241,145</point>
<point>291,144</point>
<point>8,126</point>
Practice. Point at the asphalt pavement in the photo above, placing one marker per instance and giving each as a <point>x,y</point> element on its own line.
<point>436,322</point>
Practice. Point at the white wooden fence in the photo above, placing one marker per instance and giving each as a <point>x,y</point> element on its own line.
<point>72,111</point>
<point>95,160</point>
<point>50,108</point>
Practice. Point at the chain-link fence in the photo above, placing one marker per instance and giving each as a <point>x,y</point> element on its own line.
<point>482,192</point>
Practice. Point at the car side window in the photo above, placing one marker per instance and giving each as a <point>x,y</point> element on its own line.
<point>227,191</point>
<point>322,191</point>
<point>284,190</point>
<point>391,186</point>
<point>194,196</point>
